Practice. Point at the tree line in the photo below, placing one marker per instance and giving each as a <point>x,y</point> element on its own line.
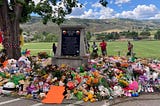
<point>50,37</point>
<point>125,34</point>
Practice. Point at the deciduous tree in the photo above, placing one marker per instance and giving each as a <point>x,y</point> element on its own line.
<point>14,12</point>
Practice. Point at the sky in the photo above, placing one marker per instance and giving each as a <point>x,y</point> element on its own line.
<point>133,9</point>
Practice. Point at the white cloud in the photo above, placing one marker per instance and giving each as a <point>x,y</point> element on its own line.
<point>102,12</point>
<point>157,16</point>
<point>140,12</point>
<point>36,1</point>
<point>97,11</point>
<point>97,5</point>
<point>87,14</point>
<point>106,13</point>
<point>76,12</point>
<point>121,1</point>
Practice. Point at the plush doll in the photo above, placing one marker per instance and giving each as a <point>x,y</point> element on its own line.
<point>134,94</point>
<point>127,92</point>
<point>117,91</point>
<point>49,78</point>
<point>90,96</point>
<point>61,82</point>
<point>70,85</point>
<point>78,93</point>
<point>123,83</point>
<point>8,88</point>
<point>42,95</point>
<point>45,87</point>
<point>78,78</point>
<point>12,66</point>
<point>96,77</point>
<point>47,62</point>
<point>104,92</point>
<point>155,75</point>
<point>16,78</point>
<point>89,80</point>
<point>31,88</point>
<point>23,84</point>
<point>69,94</point>
<point>24,62</point>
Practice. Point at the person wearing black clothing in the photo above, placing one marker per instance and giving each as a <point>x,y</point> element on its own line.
<point>130,49</point>
<point>54,48</point>
<point>94,50</point>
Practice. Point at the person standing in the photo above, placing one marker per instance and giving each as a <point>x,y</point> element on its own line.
<point>130,49</point>
<point>103,46</point>
<point>54,48</point>
<point>94,50</point>
<point>94,47</point>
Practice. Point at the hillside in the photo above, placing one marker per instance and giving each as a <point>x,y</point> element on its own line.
<point>93,25</point>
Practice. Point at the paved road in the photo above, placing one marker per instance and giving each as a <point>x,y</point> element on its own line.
<point>151,99</point>
<point>142,100</point>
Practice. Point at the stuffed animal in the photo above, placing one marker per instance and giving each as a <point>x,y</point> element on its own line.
<point>90,96</point>
<point>23,62</point>
<point>23,84</point>
<point>69,94</point>
<point>104,92</point>
<point>155,75</point>
<point>31,88</point>
<point>61,82</point>
<point>78,94</point>
<point>12,66</point>
<point>46,62</point>
<point>117,91</point>
<point>8,88</point>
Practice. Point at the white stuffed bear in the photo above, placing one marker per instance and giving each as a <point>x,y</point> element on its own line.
<point>23,62</point>
<point>117,91</point>
<point>12,66</point>
<point>103,91</point>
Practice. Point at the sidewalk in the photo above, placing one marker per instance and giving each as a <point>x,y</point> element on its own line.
<point>149,99</point>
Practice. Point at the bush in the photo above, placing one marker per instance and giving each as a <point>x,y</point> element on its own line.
<point>43,55</point>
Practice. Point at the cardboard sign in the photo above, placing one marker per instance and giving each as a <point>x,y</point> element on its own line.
<point>54,95</point>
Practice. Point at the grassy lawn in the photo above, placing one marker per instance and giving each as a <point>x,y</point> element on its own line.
<point>149,49</point>
<point>38,47</point>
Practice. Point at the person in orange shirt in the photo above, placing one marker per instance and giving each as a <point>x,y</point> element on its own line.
<point>103,46</point>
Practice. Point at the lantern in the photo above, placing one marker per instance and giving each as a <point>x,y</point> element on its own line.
<point>78,32</point>
<point>64,32</point>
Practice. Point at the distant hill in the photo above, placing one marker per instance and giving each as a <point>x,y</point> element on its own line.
<point>93,25</point>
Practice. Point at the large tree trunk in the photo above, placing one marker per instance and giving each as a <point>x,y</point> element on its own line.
<point>10,27</point>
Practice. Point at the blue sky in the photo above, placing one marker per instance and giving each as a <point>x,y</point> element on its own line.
<point>134,9</point>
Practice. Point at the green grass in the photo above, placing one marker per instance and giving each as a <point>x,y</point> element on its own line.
<point>38,47</point>
<point>145,49</point>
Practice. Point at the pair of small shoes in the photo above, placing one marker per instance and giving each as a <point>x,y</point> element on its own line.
<point>150,89</point>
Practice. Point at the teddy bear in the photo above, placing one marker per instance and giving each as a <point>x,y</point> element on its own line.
<point>117,91</point>
<point>68,95</point>
<point>89,96</point>
<point>24,62</point>
<point>103,91</point>
<point>12,66</point>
